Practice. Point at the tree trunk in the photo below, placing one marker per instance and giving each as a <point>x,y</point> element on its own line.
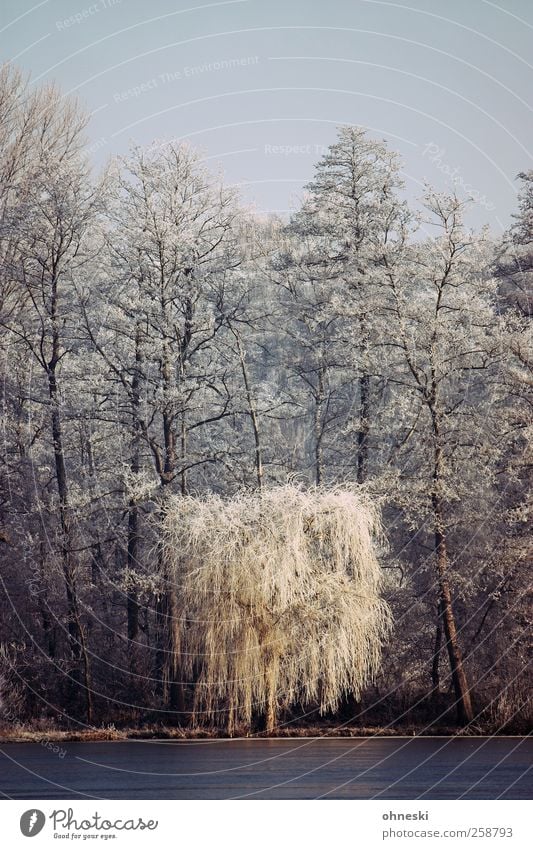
<point>133,606</point>
<point>460,684</point>
<point>76,634</point>
<point>319,427</point>
<point>435,666</point>
<point>362,433</point>
<point>49,630</point>
<point>167,658</point>
<point>183,444</point>
<point>168,667</point>
<point>168,664</point>
<point>270,714</point>
<point>252,411</point>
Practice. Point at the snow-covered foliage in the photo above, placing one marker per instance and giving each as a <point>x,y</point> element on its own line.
<point>165,352</point>
<point>278,598</point>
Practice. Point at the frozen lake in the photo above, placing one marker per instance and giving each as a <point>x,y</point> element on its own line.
<point>383,768</point>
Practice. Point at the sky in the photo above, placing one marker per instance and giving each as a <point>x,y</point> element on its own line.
<point>259,86</point>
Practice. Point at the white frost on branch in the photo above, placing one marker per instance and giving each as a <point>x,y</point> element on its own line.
<point>278,598</point>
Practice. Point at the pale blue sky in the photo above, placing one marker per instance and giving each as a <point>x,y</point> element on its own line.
<point>447,84</point>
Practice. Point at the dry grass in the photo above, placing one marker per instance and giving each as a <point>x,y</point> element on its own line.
<point>157,732</point>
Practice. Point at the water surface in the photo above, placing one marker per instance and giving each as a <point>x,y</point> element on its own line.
<point>382,768</point>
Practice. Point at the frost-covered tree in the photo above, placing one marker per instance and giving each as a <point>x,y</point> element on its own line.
<point>171,248</point>
<point>515,263</point>
<point>447,336</point>
<point>351,221</point>
<point>174,242</point>
<point>504,607</point>
<point>261,428</point>
<point>49,206</point>
<point>279,600</point>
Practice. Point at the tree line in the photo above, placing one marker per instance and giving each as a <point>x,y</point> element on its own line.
<point>160,340</point>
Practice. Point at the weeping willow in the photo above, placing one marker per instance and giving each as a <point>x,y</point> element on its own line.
<point>278,599</point>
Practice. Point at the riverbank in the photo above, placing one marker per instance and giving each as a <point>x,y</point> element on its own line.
<point>20,734</point>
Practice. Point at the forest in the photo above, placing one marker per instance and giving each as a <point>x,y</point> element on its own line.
<point>257,474</point>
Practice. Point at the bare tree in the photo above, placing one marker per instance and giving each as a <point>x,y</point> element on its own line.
<point>446,334</point>
<point>52,213</point>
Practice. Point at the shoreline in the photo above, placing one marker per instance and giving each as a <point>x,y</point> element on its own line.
<point>164,734</point>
